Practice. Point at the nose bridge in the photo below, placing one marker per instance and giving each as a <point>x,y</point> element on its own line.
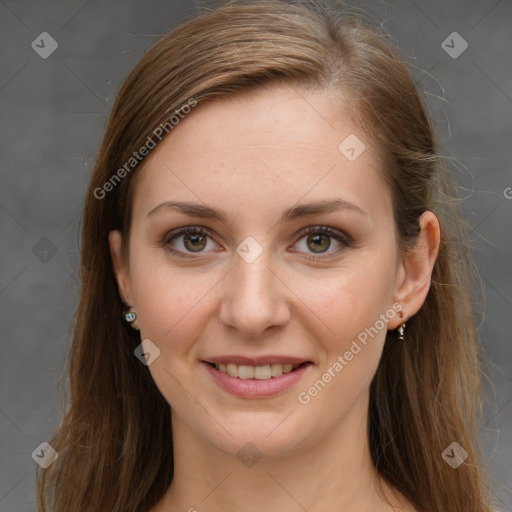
<point>254,298</point>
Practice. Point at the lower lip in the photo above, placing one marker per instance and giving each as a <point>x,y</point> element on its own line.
<point>255,388</point>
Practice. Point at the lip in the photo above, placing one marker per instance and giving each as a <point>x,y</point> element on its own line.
<point>256,361</point>
<point>255,388</point>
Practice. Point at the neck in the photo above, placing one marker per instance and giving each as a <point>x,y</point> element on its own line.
<point>333,473</point>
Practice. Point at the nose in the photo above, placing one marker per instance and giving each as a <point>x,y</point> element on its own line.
<point>254,297</point>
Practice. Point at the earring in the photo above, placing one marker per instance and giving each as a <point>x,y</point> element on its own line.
<point>401,332</point>
<point>129,315</point>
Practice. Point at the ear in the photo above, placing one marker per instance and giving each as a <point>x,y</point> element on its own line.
<point>121,271</point>
<point>415,270</point>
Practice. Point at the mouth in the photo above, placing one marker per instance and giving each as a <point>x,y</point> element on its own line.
<point>262,372</point>
<point>263,379</point>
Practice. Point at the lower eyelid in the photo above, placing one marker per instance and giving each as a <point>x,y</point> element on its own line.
<point>343,245</point>
<point>342,239</point>
<point>175,237</point>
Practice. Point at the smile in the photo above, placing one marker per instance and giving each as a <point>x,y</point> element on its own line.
<point>256,381</point>
<point>264,372</point>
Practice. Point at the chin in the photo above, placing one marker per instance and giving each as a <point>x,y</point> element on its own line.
<point>258,434</point>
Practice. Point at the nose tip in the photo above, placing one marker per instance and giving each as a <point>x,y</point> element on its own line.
<point>254,299</point>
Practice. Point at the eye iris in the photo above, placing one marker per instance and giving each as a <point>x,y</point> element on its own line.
<point>318,246</point>
<point>198,242</point>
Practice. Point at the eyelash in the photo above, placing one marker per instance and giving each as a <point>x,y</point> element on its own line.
<point>340,237</point>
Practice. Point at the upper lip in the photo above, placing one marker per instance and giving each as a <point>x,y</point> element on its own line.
<point>256,361</point>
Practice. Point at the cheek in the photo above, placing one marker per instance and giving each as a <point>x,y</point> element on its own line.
<point>349,300</point>
<point>173,308</point>
<point>350,352</point>
<point>174,304</point>
<point>351,308</point>
<point>171,305</point>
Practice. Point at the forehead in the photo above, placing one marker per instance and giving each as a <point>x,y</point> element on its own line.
<point>261,150</point>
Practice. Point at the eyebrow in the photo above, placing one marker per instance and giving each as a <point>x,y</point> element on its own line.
<point>295,212</point>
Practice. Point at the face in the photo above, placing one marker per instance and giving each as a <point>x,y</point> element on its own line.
<point>249,273</point>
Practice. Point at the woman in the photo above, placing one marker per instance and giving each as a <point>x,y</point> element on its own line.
<point>275,310</point>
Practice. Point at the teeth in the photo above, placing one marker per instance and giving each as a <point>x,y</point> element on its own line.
<point>232,370</point>
<point>276,369</point>
<point>245,372</point>
<point>262,372</point>
<point>256,372</point>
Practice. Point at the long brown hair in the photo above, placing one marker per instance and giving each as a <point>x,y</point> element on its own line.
<point>114,442</point>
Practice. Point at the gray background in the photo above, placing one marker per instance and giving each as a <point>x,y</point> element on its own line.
<point>53,114</point>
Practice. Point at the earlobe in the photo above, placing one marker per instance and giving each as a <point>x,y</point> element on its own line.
<point>414,275</point>
<point>115,240</point>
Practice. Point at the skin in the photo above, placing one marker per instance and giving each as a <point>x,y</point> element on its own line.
<point>253,156</point>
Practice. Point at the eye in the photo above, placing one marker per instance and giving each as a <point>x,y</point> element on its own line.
<point>195,239</point>
<point>188,239</point>
<point>318,239</point>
